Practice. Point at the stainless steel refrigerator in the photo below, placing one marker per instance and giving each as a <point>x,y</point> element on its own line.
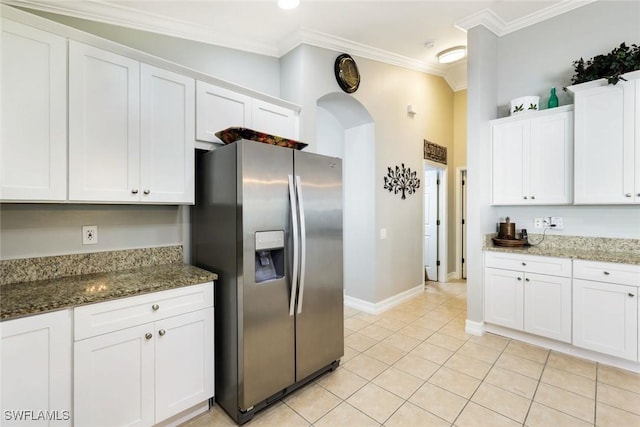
<point>268,220</point>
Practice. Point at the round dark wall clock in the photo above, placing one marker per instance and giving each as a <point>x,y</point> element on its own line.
<point>347,73</point>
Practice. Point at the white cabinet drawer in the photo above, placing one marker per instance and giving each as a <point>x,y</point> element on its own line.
<point>610,272</point>
<point>529,263</point>
<point>100,318</point>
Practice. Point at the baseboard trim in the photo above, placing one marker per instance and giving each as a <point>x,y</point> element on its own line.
<point>453,276</point>
<point>474,328</point>
<point>384,305</point>
<point>564,347</point>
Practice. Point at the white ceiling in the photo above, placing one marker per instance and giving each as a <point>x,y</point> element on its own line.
<point>390,31</point>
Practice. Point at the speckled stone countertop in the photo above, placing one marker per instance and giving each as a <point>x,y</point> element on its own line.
<point>138,275</point>
<point>625,251</point>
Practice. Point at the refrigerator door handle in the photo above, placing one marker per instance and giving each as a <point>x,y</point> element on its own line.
<point>296,234</point>
<point>303,242</point>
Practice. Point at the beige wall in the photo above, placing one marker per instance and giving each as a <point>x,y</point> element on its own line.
<point>385,91</point>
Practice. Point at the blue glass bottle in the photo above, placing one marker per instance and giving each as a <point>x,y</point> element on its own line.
<point>553,99</point>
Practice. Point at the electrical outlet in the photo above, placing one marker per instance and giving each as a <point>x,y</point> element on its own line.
<point>557,222</point>
<point>546,222</point>
<point>89,234</point>
<point>538,223</point>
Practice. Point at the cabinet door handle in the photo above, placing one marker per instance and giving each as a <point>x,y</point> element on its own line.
<point>631,295</point>
<point>524,263</point>
<point>146,191</point>
<point>527,279</point>
<point>638,194</point>
<point>606,273</point>
<point>155,307</point>
<point>134,191</point>
<point>519,278</point>
<point>161,332</point>
<point>533,197</point>
<point>627,195</point>
<point>148,335</point>
<point>525,197</point>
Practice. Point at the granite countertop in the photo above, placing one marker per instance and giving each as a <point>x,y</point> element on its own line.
<point>39,296</point>
<point>624,251</point>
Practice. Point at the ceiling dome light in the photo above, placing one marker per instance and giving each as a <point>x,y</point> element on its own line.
<point>453,54</point>
<point>288,4</point>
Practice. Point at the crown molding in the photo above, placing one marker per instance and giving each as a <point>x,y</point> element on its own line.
<point>331,42</point>
<point>499,27</point>
<point>116,14</point>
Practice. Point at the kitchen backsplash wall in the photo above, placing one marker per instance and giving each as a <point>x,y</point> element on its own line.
<point>595,221</point>
<point>37,230</point>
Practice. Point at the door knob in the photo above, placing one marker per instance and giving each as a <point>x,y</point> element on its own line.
<point>148,335</point>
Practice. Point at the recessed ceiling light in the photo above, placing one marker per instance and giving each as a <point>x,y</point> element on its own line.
<point>453,54</point>
<point>288,4</point>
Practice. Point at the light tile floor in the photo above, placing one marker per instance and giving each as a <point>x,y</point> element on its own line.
<point>414,366</point>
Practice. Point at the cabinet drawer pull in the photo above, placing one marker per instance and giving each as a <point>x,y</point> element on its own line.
<point>161,332</point>
<point>533,197</point>
<point>134,191</point>
<point>627,195</point>
<point>606,273</point>
<point>631,295</point>
<point>148,335</point>
<point>638,194</point>
<point>155,307</point>
<point>147,191</point>
<point>526,280</point>
<point>525,197</point>
<point>519,278</point>
<point>524,263</point>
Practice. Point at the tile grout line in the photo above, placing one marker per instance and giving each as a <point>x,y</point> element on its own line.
<point>533,396</point>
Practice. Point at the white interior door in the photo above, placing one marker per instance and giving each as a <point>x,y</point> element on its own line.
<point>431,223</point>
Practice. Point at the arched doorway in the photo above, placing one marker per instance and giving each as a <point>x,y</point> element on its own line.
<point>345,129</point>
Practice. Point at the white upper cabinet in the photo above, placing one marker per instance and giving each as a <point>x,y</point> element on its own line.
<point>33,142</point>
<point>607,151</point>
<point>532,158</point>
<point>273,119</point>
<point>219,108</point>
<point>104,125</point>
<point>167,136</point>
<point>131,130</point>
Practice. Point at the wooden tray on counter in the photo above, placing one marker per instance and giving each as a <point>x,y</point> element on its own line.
<point>509,243</point>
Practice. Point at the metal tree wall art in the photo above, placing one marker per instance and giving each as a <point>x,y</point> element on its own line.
<point>401,180</point>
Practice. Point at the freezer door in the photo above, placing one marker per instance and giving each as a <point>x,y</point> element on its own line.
<point>319,320</point>
<point>266,341</point>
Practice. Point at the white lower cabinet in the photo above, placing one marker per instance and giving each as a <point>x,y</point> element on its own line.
<point>35,373</point>
<point>605,308</point>
<point>147,371</point>
<point>526,300</point>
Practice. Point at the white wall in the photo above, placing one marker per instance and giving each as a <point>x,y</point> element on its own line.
<point>530,62</point>
<point>34,230</point>
<point>258,72</point>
